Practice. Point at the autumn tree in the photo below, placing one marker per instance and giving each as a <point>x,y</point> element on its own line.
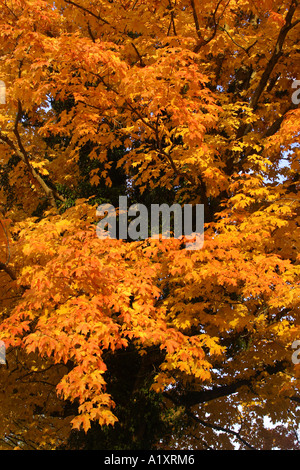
<point>122,344</point>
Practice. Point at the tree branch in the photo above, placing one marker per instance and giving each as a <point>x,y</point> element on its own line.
<point>239,45</point>
<point>202,41</point>
<point>8,270</point>
<point>23,155</point>
<point>277,123</point>
<point>86,10</point>
<point>142,63</point>
<point>220,428</point>
<point>288,25</point>
<point>192,398</point>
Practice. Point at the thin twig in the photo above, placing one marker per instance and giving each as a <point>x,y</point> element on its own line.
<point>221,428</point>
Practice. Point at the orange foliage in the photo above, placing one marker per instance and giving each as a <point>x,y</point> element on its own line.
<point>199,95</point>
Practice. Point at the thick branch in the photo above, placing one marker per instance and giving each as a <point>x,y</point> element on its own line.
<point>192,398</point>
<point>8,270</point>
<point>277,123</point>
<point>205,397</point>
<point>196,20</point>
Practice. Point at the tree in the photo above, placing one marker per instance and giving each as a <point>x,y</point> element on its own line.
<point>140,344</point>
